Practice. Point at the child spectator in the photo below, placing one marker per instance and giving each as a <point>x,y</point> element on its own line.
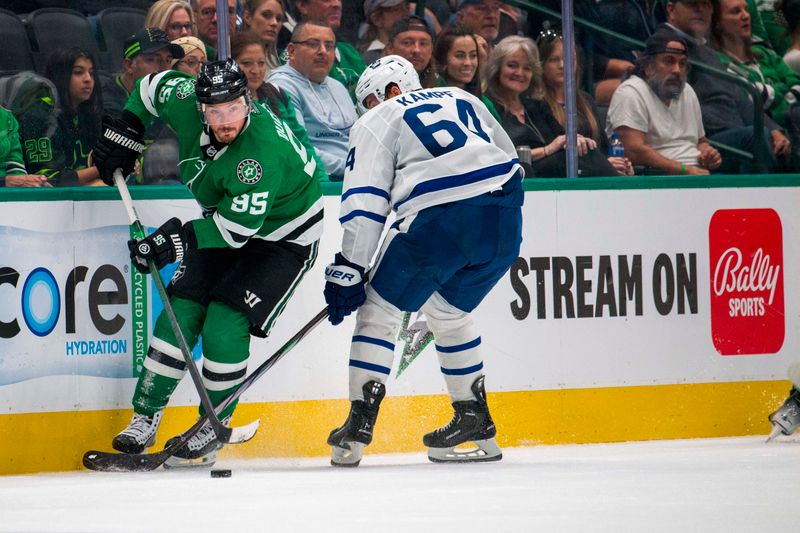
<point>58,133</point>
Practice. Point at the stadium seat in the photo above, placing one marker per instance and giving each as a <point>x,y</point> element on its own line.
<point>114,25</point>
<point>53,27</point>
<point>17,53</point>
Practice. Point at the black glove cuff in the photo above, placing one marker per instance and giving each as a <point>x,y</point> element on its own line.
<point>339,259</point>
<point>133,122</point>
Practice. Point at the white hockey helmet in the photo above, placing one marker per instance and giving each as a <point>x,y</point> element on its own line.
<point>380,73</point>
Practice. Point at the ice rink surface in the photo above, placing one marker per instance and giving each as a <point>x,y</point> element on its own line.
<point>704,485</point>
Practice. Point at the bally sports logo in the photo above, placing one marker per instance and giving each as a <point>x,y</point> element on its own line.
<point>746,267</point>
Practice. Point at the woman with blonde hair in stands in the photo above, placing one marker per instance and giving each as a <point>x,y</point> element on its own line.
<point>265,18</point>
<point>513,83</point>
<point>175,17</point>
<point>551,51</point>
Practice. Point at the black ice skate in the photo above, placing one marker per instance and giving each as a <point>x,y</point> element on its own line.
<point>348,440</point>
<point>471,423</point>
<point>139,435</point>
<point>786,419</point>
<point>201,450</point>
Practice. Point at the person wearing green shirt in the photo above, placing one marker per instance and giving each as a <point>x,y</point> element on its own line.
<point>731,35</point>
<point>12,166</point>
<point>242,261</point>
<point>250,52</point>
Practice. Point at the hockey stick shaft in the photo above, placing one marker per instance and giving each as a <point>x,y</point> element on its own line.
<point>105,461</point>
<point>222,432</point>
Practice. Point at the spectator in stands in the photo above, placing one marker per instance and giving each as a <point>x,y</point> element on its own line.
<point>381,16</point>
<point>58,133</point>
<point>323,105</point>
<point>250,52</point>
<point>194,55</point>
<point>727,110</point>
<point>456,51</point>
<point>480,16</point>
<point>347,63</point>
<point>769,27</point>
<point>146,52</point>
<point>175,17</point>
<point>513,76</point>
<point>731,34</point>
<point>611,59</point>
<point>265,19</point>
<point>551,52</point>
<point>12,164</point>
<point>412,39</point>
<point>483,48</point>
<point>205,14</point>
<point>790,11</point>
<point>657,114</point>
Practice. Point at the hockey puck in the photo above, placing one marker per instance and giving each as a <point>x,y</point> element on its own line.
<point>222,472</point>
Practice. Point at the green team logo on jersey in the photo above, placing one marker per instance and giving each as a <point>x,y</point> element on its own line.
<point>185,89</point>
<point>249,171</point>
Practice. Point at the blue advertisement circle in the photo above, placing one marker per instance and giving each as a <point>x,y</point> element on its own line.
<point>41,277</point>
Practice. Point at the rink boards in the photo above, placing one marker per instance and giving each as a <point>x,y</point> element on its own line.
<point>637,310</point>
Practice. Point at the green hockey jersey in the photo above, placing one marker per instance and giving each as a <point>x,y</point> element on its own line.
<point>261,185</point>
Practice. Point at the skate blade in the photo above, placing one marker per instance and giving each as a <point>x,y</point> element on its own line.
<point>776,430</point>
<point>206,461</point>
<point>347,454</point>
<point>487,450</point>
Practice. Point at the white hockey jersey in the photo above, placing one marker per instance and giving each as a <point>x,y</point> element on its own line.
<point>417,150</point>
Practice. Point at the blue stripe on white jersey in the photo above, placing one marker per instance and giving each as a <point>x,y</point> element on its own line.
<point>459,180</point>
<point>423,149</point>
<point>365,190</point>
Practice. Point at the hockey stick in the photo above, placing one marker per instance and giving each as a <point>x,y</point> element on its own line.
<point>144,462</point>
<point>232,435</point>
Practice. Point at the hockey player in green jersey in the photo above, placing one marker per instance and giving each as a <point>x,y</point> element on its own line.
<point>240,264</point>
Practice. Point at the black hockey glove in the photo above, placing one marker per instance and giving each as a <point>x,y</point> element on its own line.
<point>165,245</point>
<point>119,147</point>
<point>344,288</point>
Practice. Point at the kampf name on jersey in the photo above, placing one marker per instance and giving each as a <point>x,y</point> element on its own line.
<point>418,150</point>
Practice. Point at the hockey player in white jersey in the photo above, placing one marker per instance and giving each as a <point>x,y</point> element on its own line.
<point>449,171</point>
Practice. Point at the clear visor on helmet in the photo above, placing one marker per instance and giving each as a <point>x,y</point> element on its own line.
<point>226,112</point>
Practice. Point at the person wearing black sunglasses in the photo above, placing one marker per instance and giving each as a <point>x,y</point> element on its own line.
<point>551,48</point>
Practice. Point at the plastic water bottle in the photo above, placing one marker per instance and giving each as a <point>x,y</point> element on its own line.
<point>615,147</point>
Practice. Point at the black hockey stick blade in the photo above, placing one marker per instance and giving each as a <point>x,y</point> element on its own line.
<point>137,462</point>
<point>144,462</point>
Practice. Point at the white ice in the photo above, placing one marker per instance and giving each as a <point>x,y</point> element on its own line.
<point>730,485</point>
